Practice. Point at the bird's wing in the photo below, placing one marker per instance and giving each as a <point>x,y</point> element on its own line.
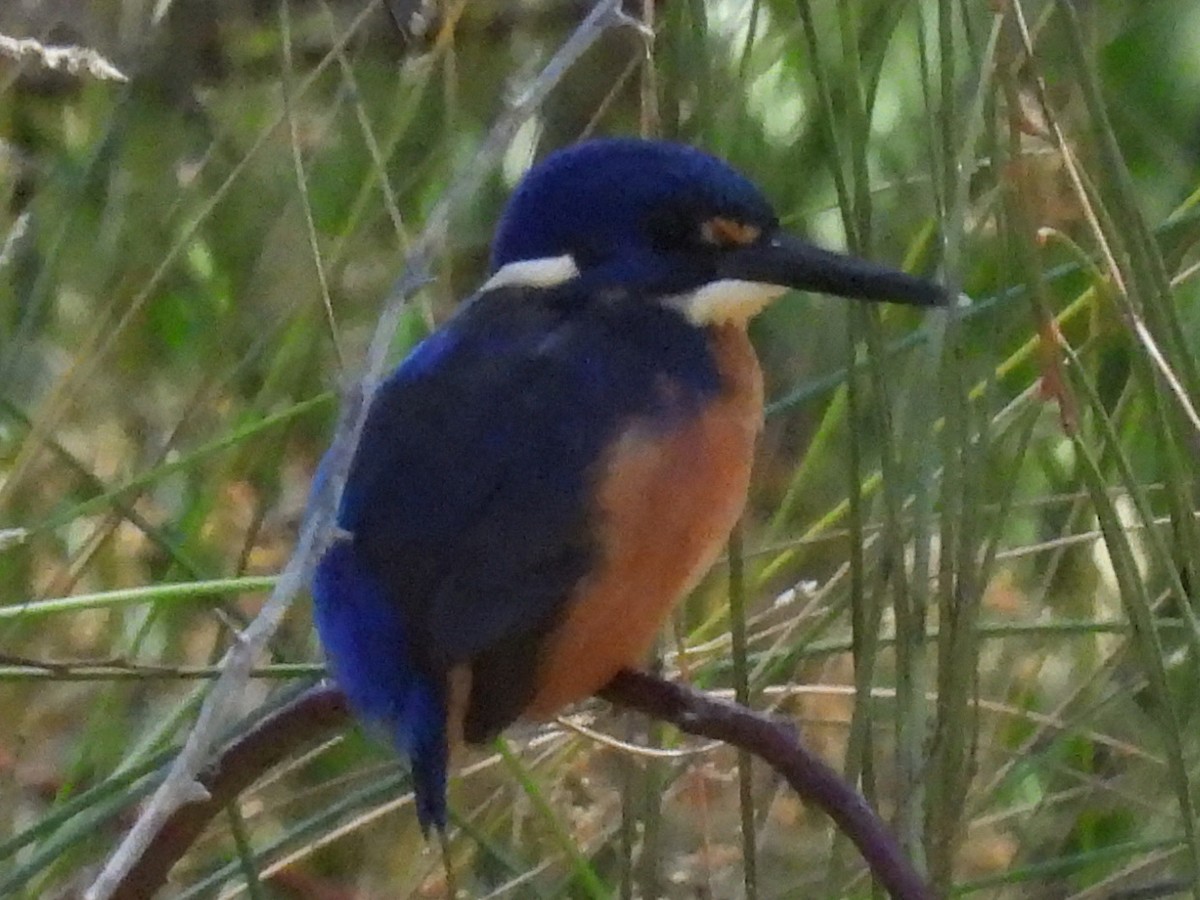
<point>470,494</point>
<point>467,492</point>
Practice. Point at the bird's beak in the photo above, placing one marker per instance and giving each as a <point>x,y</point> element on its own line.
<point>789,262</point>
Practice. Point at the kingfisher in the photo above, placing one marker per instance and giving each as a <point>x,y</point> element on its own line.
<point>558,464</point>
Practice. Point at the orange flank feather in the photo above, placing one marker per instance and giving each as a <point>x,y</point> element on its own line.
<point>667,502</point>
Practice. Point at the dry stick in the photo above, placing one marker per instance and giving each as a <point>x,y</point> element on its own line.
<point>321,710</point>
<point>182,785</point>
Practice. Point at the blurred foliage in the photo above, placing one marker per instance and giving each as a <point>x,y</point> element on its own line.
<point>986,529</point>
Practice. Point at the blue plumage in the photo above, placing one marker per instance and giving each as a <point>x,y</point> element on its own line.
<point>361,630</point>
<point>469,518</point>
<point>627,211</point>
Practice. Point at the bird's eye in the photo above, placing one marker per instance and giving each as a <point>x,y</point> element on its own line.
<point>728,234</point>
<point>676,230</point>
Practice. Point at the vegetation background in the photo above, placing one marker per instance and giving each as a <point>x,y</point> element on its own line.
<point>971,569</point>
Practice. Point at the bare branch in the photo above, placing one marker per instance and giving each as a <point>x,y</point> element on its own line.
<point>312,715</point>
<point>321,710</point>
<point>775,743</point>
<point>181,784</point>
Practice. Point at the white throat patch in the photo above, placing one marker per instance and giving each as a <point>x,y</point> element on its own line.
<point>727,300</point>
<point>549,271</point>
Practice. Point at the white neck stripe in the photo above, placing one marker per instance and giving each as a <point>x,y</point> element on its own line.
<point>727,300</point>
<point>548,271</point>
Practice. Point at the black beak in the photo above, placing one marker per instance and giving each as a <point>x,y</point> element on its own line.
<point>790,262</point>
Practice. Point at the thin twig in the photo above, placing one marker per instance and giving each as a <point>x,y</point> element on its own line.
<point>182,785</point>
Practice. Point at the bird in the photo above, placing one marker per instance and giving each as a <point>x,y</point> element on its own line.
<point>553,468</point>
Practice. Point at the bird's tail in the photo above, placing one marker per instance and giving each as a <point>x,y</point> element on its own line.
<point>364,635</point>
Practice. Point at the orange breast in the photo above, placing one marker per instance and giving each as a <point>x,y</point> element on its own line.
<point>667,504</point>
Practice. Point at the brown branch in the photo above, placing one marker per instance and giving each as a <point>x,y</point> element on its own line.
<point>316,713</point>
<point>776,743</point>
<point>322,710</point>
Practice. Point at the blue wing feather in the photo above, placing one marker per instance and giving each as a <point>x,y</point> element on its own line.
<point>469,492</point>
<point>364,635</point>
<point>468,501</point>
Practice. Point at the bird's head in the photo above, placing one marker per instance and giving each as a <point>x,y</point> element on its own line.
<point>673,222</point>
